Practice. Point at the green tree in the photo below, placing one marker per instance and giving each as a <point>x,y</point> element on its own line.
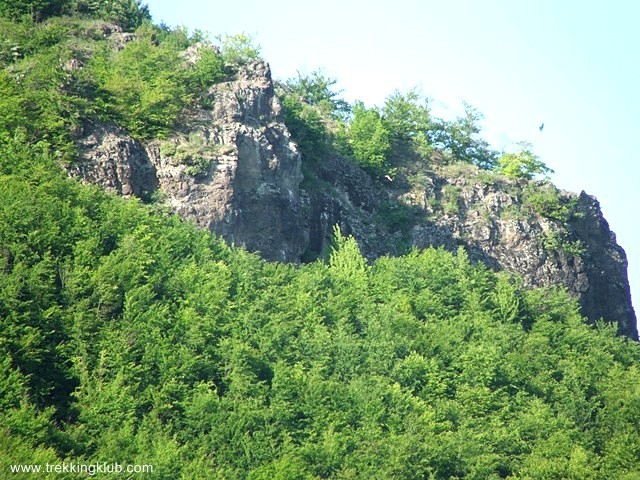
<point>406,114</point>
<point>129,14</point>
<point>524,164</point>
<point>317,89</point>
<point>127,332</point>
<point>315,115</point>
<point>38,10</point>
<point>12,104</point>
<point>460,140</point>
<point>506,298</point>
<point>307,127</point>
<point>208,70</point>
<point>238,49</point>
<point>409,121</point>
<point>370,140</point>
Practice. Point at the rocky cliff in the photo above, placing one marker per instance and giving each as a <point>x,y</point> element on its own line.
<point>233,168</point>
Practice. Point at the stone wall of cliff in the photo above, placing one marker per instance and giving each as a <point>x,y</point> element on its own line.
<point>231,168</point>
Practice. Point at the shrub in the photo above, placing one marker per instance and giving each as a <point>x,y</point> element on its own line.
<point>450,199</point>
<point>524,164</point>
<point>370,140</point>
<point>195,153</point>
<point>560,241</point>
<point>546,200</point>
<point>238,49</point>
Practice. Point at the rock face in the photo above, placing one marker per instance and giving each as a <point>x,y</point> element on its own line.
<point>115,161</point>
<point>496,223</point>
<point>605,264</point>
<point>234,170</point>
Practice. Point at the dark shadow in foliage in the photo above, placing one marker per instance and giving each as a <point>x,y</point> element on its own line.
<point>37,10</point>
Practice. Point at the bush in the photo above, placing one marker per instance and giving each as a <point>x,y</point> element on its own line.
<point>238,49</point>
<point>560,241</point>
<point>546,200</point>
<point>370,140</point>
<point>524,164</point>
<point>195,153</point>
<point>451,199</point>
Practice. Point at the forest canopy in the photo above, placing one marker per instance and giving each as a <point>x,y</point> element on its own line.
<point>130,336</point>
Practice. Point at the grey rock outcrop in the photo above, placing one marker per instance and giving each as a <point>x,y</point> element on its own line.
<point>497,227</point>
<point>234,170</point>
<point>109,157</point>
<point>607,293</point>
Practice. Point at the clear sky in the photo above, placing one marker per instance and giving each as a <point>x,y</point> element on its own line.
<point>572,64</point>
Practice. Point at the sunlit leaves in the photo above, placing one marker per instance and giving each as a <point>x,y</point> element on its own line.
<point>238,49</point>
<point>523,164</point>
<point>370,141</point>
<point>142,86</point>
<point>132,334</point>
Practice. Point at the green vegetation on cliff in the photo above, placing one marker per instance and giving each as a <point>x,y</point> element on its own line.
<point>382,139</point>
<point>68,69</point>
<point>129,336</point>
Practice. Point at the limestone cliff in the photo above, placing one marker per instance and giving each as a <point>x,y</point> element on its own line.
<point>233,168</point>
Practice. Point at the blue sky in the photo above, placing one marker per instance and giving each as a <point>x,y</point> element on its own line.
<point>574,65</point>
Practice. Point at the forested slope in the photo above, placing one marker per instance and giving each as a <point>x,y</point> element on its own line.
<point>200,126</point>
<point>130,336</point>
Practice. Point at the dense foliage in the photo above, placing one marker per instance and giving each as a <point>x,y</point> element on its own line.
<point>146,85</point>
<point>369,139</point>
<point>70,69</point>
<point>380,139</point>
<point>523,164</point>
<point>126,13</point>
<point>129,336</point>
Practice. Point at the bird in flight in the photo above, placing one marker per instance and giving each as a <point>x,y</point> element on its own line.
<point>541,127</point>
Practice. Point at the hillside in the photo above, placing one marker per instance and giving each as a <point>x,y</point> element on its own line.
<point>233,167</point>
<point>221,277</point>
